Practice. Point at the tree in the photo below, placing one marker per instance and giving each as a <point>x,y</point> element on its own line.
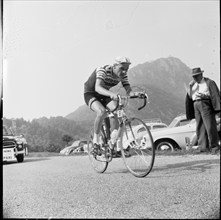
<point>67,138</point>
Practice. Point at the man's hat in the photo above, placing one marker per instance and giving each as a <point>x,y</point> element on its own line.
<point>196,71</point>
<point>122,59</point>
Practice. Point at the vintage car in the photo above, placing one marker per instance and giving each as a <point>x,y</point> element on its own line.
<point>180,134</point>
<point>153,124</point>
<point>174,138</point>
<point>76,147</point>
<point>180,120</point>
<point>14,147</point>
<point>169,138</point>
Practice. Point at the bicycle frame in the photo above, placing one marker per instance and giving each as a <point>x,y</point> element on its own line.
<point>121,116</point>
<point>138,156</point>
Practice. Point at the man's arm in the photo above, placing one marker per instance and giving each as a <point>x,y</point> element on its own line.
<point>128,90</point>
<point>99,88</point>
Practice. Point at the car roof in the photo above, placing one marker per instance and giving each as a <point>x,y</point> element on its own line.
<point>181,116</point>
<point>152,120</point>
<point>137,127</point>
<point>155,123</point>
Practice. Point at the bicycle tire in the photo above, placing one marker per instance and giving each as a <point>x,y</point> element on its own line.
<point>99,163</point>
<point>137,147</point>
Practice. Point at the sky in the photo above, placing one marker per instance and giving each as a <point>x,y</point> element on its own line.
<point>51,47</point>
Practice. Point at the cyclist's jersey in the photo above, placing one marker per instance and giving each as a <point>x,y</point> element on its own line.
<point>106,74</point>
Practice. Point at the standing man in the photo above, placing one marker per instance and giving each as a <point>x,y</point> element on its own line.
<point>202,103</point>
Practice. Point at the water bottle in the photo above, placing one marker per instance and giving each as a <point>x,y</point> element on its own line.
<point>114,136</point>
<point>118,145</point>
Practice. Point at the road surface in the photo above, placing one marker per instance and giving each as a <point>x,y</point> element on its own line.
<point>186,186</point>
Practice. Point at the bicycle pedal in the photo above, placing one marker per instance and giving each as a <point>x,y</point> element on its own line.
<point>96,152</point>
<point>116,154</point>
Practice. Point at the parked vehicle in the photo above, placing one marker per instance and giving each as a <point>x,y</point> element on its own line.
<point>14,147</point>
<point>153,124</point>
<point>174,136</point>
<point>180,120</point>
<point>177,135</point>
<point>67,150</point>
<point>77,146</point>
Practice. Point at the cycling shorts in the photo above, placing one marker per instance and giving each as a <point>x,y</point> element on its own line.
<point>90,97</point>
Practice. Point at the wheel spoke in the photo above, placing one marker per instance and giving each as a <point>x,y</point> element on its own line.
<point>99,163</point>
<point>139,142</point>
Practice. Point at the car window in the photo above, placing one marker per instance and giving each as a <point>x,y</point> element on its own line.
<point>142,129</point>
<point>159,126</point>
<point>173,123</point>
<point>184,122</point>
<point>6,131</point>
<point>176,122</point>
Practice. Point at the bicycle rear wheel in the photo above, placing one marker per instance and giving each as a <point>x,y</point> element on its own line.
<point>99,163</point>
<point>137,147</point>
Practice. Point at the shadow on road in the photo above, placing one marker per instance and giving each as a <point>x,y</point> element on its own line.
<point>199,166</point>
<point>179,169</point>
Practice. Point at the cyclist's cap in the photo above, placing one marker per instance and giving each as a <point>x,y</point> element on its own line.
<point>122,59</point>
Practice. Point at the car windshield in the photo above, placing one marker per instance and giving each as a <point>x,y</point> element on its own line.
<point>173,123</point>
<point>6,132</point>
<point>178,122</point>
<point>184,122</point>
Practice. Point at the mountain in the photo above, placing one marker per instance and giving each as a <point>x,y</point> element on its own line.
<point>164,80</point>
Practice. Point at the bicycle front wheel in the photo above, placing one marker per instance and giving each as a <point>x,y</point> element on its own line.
<point>137,147</point>
<point>99,163</point>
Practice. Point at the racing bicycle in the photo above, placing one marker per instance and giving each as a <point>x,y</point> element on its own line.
<point>133,137</point>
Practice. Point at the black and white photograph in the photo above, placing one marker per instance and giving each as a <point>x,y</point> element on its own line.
<point>110,109</point>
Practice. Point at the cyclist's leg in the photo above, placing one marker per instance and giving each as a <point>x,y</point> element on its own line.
<point>114,127</point>
<point>113,120</point>
<point>101,114</point>
<point>95,104</point>
<point>107,124</point>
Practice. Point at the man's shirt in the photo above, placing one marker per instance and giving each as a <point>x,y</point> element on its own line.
<point>200,87</point>
<point>106,74</point>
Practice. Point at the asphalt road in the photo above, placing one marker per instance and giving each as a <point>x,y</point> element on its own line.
<point>185,186</point>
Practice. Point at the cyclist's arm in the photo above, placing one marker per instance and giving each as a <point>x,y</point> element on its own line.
<point>99,88</point>
<point>130,92</point>
<point>128,89</point>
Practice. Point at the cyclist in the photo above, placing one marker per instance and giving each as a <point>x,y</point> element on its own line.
<point>98,96</point>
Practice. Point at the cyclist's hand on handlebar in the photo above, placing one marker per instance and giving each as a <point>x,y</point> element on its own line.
<point>114,96</point>
<point>139,94</point>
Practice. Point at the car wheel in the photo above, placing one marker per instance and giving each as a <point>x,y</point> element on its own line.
<point>20,158</point>
<point>26,151</point>
<point>165,146</point>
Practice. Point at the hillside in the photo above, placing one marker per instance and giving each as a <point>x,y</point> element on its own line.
<point>164,80</point>
<point>46,134</point>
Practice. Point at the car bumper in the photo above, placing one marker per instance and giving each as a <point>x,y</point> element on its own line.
<point>10,154</point>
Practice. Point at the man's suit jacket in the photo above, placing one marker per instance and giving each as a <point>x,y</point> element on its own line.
<point>214,96</point>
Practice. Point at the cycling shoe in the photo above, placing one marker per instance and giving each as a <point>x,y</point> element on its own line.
<point>96,150</point>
